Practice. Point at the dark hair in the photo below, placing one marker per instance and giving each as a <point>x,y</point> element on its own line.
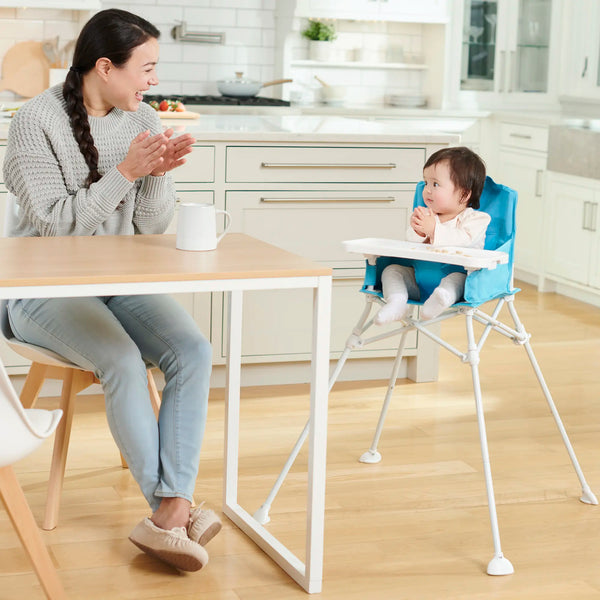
<point>112,34</point>
<point>467,170</point>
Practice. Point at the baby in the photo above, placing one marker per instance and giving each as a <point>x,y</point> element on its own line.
<point>454,179</point>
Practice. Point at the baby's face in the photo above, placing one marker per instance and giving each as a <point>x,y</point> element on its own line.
<point>440,195</point>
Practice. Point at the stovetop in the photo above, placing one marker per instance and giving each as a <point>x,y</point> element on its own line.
<point>225,100</point>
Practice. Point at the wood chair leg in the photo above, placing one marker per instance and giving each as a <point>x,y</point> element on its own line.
<point>74,381</point>
<point>33,384</point>
<point>154,395</point>
<point>154,399</point>
<point>29,534</point>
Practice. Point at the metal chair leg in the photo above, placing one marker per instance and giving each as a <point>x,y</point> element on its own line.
<point>262,514</point>
<point>372,456</point>
<point>499,565</point>
<point>587,496</point>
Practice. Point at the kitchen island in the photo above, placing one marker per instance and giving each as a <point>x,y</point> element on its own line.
<point>305,184</point>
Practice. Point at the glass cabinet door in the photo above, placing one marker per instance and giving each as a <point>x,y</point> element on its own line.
<point>531,56</point>
<point>479,45</point>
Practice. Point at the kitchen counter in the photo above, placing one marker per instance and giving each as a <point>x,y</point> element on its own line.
<point>415,126</point>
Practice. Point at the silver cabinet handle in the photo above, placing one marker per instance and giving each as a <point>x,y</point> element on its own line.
<point>593,216</point>
<point>327,166</point>
<point>317,199</point>
<point>521,136</point>
<point>538,183</point>
<point>502,69</point>
<point>585,66</point>
<point>590,213</point>
<point>512,69</point>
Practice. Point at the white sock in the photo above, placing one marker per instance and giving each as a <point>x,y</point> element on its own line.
<point>436,304</point>
<point>394,309</point>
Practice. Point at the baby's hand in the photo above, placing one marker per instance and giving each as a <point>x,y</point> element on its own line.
<point>423,222</point>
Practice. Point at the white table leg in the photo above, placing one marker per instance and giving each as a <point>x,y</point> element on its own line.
<point>308,575</point>
<point>232,399</point>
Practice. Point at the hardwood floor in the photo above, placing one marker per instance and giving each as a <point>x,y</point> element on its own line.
<point>414,526</point>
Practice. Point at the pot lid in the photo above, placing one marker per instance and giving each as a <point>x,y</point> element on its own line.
<point>239,79</point>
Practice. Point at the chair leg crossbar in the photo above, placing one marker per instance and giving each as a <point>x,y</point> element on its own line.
<point>499,565</point>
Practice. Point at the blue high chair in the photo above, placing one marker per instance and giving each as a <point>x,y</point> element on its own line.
<point>489,277</point>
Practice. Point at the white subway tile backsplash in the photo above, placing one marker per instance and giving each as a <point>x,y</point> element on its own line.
<point>251,39</point>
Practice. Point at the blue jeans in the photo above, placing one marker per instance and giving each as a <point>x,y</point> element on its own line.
<point>114,337</point>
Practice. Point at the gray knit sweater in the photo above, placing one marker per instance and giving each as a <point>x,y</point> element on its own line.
<point>46,171</point>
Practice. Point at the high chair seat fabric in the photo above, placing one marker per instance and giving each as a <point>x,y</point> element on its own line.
<point>46,364</point>
<point>481,286</point>
<point>21,432</point>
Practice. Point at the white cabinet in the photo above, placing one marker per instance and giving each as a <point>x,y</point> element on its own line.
<point>580,76</point>
<point>506,48</point>
<point>423,11</point>
<point>573,230</point>
<point>521,166</point>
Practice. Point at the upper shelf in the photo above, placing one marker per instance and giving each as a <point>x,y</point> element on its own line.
<point>60,4</point>
<point>358,65</point>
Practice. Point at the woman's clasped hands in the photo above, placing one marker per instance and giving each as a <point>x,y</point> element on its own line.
<point>156,154</point>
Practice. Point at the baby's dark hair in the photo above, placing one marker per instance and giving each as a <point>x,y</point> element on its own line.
<point>467,170</point>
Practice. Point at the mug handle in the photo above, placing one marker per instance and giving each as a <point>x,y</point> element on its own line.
<point>227,223</point>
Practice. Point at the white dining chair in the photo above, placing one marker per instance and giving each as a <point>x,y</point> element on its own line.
<point>46,364</point>
<point>21,432</point>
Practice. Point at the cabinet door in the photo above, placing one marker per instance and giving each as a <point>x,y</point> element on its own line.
<point>277,324</point>
<point>423,11</point>
<point>570,238</point>
<point>524,173</point>
<point>506,50</point>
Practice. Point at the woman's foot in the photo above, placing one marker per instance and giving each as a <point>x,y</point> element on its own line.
<point>172,512</point>
<point>393,310</point>
<point>172,546</point>
<point>204,524</point>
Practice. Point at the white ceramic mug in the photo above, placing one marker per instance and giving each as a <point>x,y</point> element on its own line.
<point>197,226</point>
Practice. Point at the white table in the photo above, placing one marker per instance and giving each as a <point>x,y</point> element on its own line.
<point>145,264</point>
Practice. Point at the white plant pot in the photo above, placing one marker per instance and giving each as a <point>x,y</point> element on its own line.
<point>322,51</point>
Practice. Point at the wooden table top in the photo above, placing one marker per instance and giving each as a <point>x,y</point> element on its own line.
<point>74,260</point>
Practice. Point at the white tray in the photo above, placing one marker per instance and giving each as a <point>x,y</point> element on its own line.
<point>469,258</point>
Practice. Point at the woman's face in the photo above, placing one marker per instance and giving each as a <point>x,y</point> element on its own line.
<point>126,84</point>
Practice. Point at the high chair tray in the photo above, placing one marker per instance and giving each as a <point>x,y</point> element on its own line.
<point>469,258</point>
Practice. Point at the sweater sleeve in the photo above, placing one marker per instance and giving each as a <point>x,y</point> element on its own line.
<point>155,204</point>
<point>33,173</point>
<point>467,230</point>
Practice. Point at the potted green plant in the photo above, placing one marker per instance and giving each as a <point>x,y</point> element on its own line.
<point>320,36</point>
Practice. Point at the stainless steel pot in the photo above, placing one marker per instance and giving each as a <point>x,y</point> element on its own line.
<point>244,88</point>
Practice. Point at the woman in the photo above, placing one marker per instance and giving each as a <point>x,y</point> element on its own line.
<point>90,158</point>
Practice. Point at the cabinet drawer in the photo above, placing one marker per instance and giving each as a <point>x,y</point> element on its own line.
<point>199,166</point>
<point>527,137</point>
<point>314,224</point>
<point>324,164</point>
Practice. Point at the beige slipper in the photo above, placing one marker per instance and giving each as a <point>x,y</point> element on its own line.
<point>203,525</point>
<point>172,546</point>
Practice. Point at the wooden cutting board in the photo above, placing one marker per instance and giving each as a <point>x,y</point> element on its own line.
<point>186,114</point>
<point>25,69</point>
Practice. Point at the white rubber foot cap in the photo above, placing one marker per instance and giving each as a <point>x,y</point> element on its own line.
<point>588,497</point>
<point>262,514</point>
<point>499,565</point>
<point>370,457</point>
